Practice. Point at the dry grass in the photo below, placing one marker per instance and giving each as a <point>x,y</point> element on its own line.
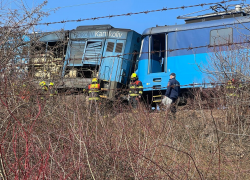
<point>63,139</point>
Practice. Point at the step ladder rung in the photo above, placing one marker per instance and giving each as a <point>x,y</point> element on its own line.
<point>103,96</point>
<point>157,101</point>
<point>157,96</point>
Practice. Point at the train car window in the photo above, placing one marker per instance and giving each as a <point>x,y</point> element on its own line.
<point>221,36</point>
<point>56,48</point>
<point>118,48</point>
<point>93,50</point>
<point>158,46</point>
<point>77,49</point>
<point>144,48</point>
<point>110,47</point>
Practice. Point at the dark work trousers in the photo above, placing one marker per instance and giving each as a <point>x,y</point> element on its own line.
<point>133,101</point>
<point>173,105</point>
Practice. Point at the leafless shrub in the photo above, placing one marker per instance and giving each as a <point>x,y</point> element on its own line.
<point>66,137</point>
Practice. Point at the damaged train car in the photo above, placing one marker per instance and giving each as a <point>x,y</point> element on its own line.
<point>72,58</point>
<point>47,55</point>
<point>92,52</point>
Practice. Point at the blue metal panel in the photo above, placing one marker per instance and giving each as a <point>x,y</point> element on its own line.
<point>126,64</point>
<point>134,42</point>
<point>107,63</point>
<point>66,59</point>
<point>206,24</point>
<point>111,66</point>
<point>52,36</point>
<point>117,74</point>
<point>199,37</point>
<point>185,67</point>
<point>185,62</point>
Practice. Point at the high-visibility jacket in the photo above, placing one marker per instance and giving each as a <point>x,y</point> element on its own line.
<point>45,88</point>
<point>52,92</point>
<point>135,88</point>
<point>94,90</point>
<point>43,92</point>
<point>231,88</point>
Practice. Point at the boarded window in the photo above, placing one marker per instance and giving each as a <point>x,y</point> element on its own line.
<point>110,47</point>
<point>221,36</point>
<point>118,48</point>
<point>76,52</point>
<point>93,51</point>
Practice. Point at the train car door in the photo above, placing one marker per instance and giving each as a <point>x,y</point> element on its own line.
<point>158,58</point>
<point>111,65</point>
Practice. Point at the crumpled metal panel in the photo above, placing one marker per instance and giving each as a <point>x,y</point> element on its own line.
<point>52,36</point>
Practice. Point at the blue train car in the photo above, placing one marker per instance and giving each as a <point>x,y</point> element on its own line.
<point>92,52</point>
<point>168,49</point>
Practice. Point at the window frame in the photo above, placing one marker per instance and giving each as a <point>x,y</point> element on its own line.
<point>216,43</point>
<point>165,53</point>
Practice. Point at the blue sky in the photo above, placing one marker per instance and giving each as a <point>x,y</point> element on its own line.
<point>75,9</point>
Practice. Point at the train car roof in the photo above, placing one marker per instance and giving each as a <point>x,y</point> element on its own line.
<point>199,25</point>
<point>99,27</point>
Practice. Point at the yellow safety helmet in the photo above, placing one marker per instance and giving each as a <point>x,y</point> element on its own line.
<point>24,85</point>
<point>134,75</point>
<point>94,80</point>
<point>42,83</point>
<point>51,84</point>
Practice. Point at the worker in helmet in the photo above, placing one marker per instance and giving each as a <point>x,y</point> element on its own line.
<point>43,85</point>
<point>94,90</point>
<point>52,91</point>
<point>44,89</point>
<point>234,87</point>
<point>135,90</point>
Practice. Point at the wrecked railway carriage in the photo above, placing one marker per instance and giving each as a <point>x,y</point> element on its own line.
<point>72,58</point>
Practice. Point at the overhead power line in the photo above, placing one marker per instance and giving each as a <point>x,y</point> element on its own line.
<point>120,15</point>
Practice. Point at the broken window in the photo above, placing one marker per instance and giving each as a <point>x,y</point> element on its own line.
<point>76,52</point>
<point>57,49</point>
<point>93,51</point>
<point>46,59</point>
